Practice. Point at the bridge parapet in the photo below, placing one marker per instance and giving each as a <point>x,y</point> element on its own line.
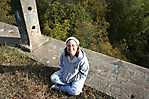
<point>115,77</point>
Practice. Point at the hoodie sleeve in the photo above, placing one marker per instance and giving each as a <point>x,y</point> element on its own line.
<point>84,67</point>
<point>61,63</point>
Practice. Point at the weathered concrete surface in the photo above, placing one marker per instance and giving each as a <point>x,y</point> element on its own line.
<point>118,78</point>
<point>7,30</point>
<point>112,76</point>
<point>31,26</point>
<point>9,34</point>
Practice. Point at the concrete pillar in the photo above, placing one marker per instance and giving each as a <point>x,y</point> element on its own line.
<point>28,25</point>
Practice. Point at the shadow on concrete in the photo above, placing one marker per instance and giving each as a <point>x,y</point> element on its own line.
<point>17,10</point>
<point>12,41</point>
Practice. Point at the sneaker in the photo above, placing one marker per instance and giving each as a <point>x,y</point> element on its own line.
<point>78,93</point>
<point>54,87</point>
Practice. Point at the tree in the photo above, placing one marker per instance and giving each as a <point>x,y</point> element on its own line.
<point>129,23</point>
<point>84,19</point>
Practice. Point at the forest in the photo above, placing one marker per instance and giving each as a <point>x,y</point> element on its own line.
<point>118,28</point>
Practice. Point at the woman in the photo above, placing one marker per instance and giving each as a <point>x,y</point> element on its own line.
<point>74,69</point>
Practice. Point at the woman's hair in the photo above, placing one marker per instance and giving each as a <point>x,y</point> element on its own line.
<point>67,53</point>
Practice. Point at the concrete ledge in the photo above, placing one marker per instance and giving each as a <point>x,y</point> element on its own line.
<point>7,30</point>
<point>9,34</point>
<point>112,76</point>
<point>117,78</point>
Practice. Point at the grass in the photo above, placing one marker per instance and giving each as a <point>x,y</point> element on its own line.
<point>23,78</point>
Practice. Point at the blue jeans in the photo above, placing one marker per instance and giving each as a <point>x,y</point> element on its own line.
<point>73,88</point>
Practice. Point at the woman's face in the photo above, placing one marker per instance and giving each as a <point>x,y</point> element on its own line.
<point>71,47</point>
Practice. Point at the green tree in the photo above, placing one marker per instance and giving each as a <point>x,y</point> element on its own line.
<point>130,25</point>
<point>84,19</point>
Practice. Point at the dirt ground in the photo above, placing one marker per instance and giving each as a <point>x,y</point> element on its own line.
<point>24,78</point>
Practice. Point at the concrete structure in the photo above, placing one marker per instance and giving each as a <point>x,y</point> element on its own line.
<point>9,34</point>
<point>109,75</point>
<point>35,39</point>
<point>29,35</point>
<point>28,24</point>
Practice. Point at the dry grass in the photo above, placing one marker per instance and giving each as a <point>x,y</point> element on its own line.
<point>24,78</point>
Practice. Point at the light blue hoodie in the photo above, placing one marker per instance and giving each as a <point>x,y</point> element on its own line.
<point>73,70</point>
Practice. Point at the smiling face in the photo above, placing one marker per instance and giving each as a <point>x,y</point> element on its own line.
<point>71,47</point>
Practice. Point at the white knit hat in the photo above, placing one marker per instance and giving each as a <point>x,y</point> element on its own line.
<point>72,38</point>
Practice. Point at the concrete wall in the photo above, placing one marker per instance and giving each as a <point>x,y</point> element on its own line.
<point>112,76</point>
<point>117,78</point>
